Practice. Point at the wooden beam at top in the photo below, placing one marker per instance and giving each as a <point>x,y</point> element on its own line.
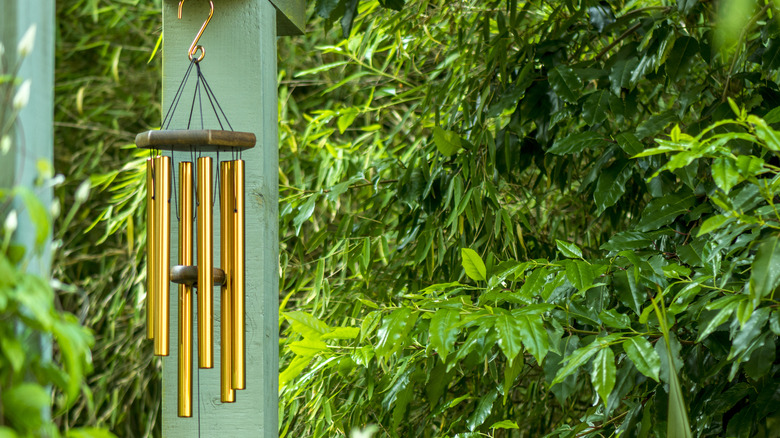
<point>291,17</point>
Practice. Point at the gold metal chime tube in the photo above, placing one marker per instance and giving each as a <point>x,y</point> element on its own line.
<point>232,256</point>
<point>227,393</point>
<point>238,283</point>
<point>151,264</point>
<point>185,291</point>
<point>162,248</point>
<point>205,263</point>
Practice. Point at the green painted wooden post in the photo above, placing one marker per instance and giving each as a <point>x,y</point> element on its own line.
<point>240,65</point>
<point>33,140</point>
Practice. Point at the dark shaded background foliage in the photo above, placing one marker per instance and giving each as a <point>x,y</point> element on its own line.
<point>509,129</point>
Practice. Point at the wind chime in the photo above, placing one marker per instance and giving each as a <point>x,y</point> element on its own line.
<point>197,189</point>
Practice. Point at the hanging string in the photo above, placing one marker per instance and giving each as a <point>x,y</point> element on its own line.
<point>176,98</point>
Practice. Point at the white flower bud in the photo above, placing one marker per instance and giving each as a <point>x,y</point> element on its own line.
<point>55,208</point>
<point>27,42</point>
<point>82,193</point>
<point>11,222</point>
<point>5,144</point>
<point>22,95</point>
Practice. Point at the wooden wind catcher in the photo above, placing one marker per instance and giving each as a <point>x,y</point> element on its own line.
<point>193,201</point>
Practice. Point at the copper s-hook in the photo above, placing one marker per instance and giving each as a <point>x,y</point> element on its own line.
<point>194,47</point>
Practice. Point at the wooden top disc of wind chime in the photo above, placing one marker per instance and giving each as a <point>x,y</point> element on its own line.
<point>202,140</point>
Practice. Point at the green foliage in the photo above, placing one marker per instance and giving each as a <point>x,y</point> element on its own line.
<point>29,321</point>
<point>107,90</point>
<point>545,215</point>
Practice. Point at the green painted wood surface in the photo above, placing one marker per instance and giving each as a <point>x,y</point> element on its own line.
<point>33,138</point>
<point>240,65</point>
<point>291,19</point>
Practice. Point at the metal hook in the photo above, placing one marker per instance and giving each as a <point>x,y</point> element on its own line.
<point>194,47</point>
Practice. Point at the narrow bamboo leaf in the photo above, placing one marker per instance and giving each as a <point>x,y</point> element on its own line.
<point>644,357</point>
<point>443,331</point>
<point>678,425</point>
<point>473,264</point>
<point>595,108</point>
<point>306,325</point>
<point>603,374</point>
<point>765,275</point>
<point>307,347</point>
<point>569,250</point>
<point>566,84</point>
<point>297,365</point>
<point>342,333</point>
<point>576,143</point>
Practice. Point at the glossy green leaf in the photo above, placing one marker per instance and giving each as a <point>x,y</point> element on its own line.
<point>644,357</point>
<point>342,333</point>
<point>576,360</point>
<point>533,335</point>
<point>473,264</point>
<point>611,318</point>
<point>681,56</point>
<point>765,273</point>
<point>628,240</point>
<point>603,374</point>
<point>306,325</point>
<point>576,143</point>
<point>447,142</point>
<point>482,411</point>
<point>663,211</point>
<point>444,330</point>
<point>725,174</point>
<point>595,108</point>
<point>747,335</point>
<point>580,273</point>
<point>569,250</point>
<point>511,371</point>
<point>713,223</point>
<point>566,84</point>
<point>505,424</point>
<point>392,334</point>
<point>509,335</point>
<point>611,185</point>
